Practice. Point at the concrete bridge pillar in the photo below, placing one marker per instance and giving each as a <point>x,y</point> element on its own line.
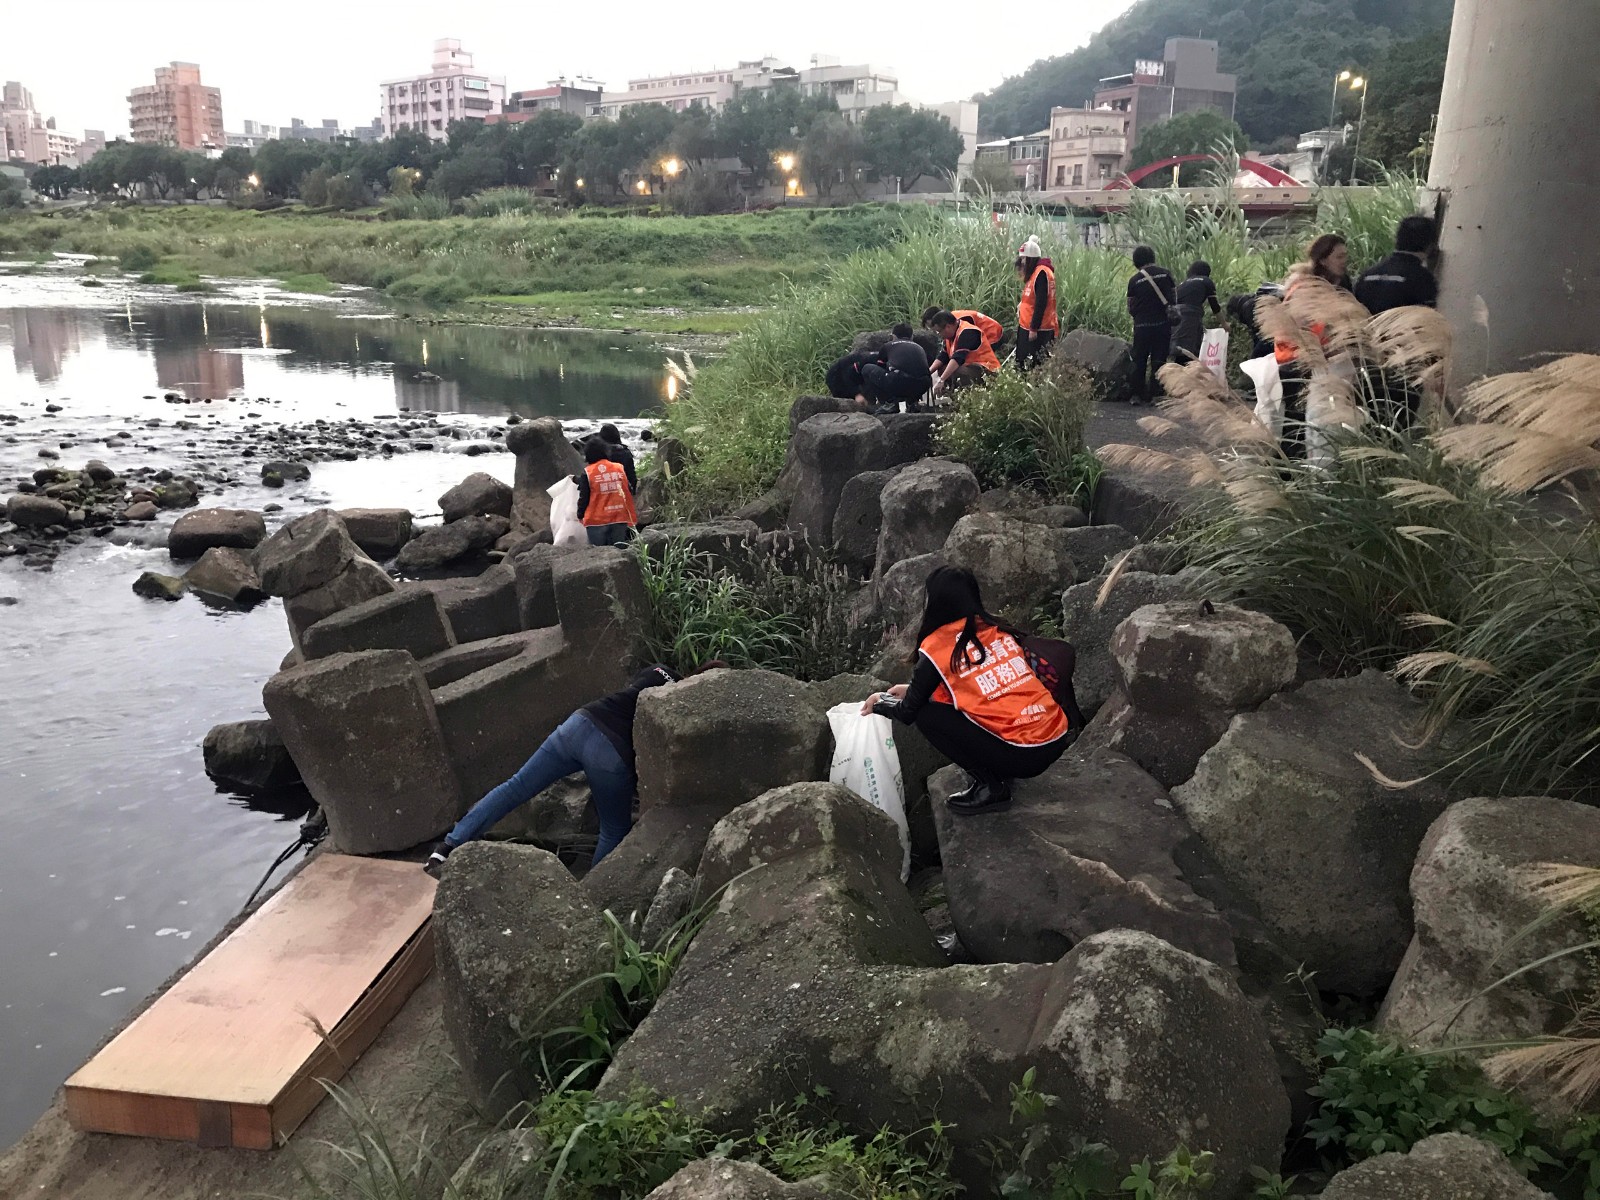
<point>1516,164</point>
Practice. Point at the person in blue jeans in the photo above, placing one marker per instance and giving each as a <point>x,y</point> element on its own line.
<point>597,740</point>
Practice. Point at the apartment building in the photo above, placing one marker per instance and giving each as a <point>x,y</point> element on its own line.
<point>452,90</point>
<point>94,141</point>
<point>1088,147</point>
<point>253,136</point>
<point>26,136</point>
<point>177,110</point>
<point>1185,79</point>
<point>575,97</point>
<point>1026,156</point>
<point>711,88</point>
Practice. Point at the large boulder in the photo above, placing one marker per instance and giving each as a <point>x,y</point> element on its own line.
<point>902,589</point>
<point>727,1179</point>
<point>305,553</point>
<point>409,620</point>
<point>911,436</point>
<point>726,737</point>
<point>859,519</point>
<point>380,532</point>
<point>196,532</point>
<point>1092,547</point>
<point>830,449</point>
<point>363,731</point>
<point>1147,1046</point>
<point>478,607</point>
<point>1089,624</point>
<point>1446,1166</point>
<point>1106,358</point>
<point>516,940</point>
<point>1303,830</point>
<point>440,545</point>
<point>1183,670</point>
<point>478,495</point>
<point>535,584</point>
<point>544,457</point>
<point>725,542</point>
<point>1019,566</point>
<point>921,505</point>
<point>35,512</point>
<point>1475,917</point>
<point>248,756</point>
<point>1086,847</point>
<point>225,575</point>
<point>360,580</point>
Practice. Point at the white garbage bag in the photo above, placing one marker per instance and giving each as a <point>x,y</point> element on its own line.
<point>1330,405</point>
<point>866,762</point>
<point>1214,353</point>
<point>565,528</point>
<point>1263,372</point>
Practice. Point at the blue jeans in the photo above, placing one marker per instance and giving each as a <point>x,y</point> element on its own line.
<point>576,745</point>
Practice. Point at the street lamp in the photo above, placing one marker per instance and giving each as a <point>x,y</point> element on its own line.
<point>672,166</point>
<point>794,187</point>
<point>255,181</point>
<point>1358,84</point>
<point>642,186</point>
<point>1333,105</point>
<point>786,161</point>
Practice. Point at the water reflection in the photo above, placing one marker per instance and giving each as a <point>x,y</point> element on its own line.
<point>315,359</point>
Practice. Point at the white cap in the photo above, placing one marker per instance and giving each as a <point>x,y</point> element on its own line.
<point>1030,249</point>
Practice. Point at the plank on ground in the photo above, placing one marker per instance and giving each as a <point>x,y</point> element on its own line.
<point>340,946</point>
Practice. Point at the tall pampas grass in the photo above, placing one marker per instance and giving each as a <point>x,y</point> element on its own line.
<point>1531,429</point>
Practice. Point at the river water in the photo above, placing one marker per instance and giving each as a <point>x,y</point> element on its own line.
<point>121,858</point>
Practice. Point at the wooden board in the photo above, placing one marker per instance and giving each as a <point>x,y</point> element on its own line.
<point>231,1054</point>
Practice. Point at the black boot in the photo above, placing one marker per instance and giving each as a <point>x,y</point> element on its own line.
<point>984,796</point>
<point>435,864</point>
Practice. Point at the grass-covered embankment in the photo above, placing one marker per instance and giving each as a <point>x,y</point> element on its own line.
<point>703,273</point>
<point>734,419</point>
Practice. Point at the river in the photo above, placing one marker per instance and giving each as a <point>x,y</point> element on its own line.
<point>122,858</point>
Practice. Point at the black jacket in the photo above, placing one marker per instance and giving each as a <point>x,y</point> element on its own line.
<point>613,715</point>
<point>623,457</point>
<point>906,358</point>
<point>1399,280</point>
<point>1150,291</point>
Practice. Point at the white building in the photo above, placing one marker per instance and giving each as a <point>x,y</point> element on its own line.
<point>253,136</point>
<point>454,90</point>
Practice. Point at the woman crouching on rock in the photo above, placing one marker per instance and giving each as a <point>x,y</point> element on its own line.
<point>975,697</point>
<point>597,740</point>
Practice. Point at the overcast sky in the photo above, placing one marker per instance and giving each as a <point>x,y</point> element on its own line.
<point>324,58</point>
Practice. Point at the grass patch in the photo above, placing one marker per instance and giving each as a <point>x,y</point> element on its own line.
<point>174,274</point>
<point>310,285</point>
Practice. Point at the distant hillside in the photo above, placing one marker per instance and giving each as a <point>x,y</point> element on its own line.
<point>1285,52</point>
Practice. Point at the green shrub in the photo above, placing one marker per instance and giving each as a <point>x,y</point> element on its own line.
<point>497,202</point>
<point>798,621</point>
<point>614,1147</point>
<point>1026,431</point>
<point>415,207</point>
<point>311,285</point>
<point>140,257</point>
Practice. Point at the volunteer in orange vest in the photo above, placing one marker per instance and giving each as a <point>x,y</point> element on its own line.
<point>605,501</point>
<point>1036,314</point>
<point>974,697</point>
<point>968,357</point>
<point>993,332</point>
<point>1328,259</point>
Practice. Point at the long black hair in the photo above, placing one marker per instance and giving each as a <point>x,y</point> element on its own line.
<point>953,595</point>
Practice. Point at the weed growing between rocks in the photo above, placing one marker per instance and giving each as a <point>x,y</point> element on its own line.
<point>1026,431</point>
<point>796,618</point>
<point>1377,1097</point>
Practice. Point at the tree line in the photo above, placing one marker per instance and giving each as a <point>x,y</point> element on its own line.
<point>765,137</point>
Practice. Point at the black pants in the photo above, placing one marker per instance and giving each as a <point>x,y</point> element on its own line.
<point>980,753</point>
<point>1151,345</point>
<point>1296,383</point>
<point>883,386</point>
<point>1033,345</point>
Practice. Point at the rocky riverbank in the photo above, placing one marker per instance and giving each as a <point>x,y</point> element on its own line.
<point>1152,939</point>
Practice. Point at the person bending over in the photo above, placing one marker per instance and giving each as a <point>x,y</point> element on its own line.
<point>900,374</point>
<point>844,376</point>
<point>597,740</point>
<point>974,696</point>
<point>605,501</point>
<point>968,356</point>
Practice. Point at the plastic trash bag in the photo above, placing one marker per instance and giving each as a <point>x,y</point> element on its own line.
<point>1263,372</point>
<point>565,528</point>
<point>1329,406</point>
<point>1214,353</point>
<point>866,761</point>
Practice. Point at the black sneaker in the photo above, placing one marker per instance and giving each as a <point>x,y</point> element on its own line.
<point>435,864</point>
<point>981,798</point>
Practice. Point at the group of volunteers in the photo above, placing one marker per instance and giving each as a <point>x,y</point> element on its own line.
<point>964,348</point>
<point>606,488</point>
<point>995,701</point>
<point>1169,317</point>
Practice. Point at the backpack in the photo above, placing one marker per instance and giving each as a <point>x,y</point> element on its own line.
<point>1053,662</point>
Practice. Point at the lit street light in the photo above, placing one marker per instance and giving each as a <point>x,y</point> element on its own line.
<point>643,187</point>
<point>255,181</point>
<point>786,161</point>
<point>672,166</point>
<point>1358,84</point>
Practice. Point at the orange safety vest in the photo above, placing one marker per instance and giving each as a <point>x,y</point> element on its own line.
<point>610,500</point>
<point>992,332</point>
<point>983,356</point>
<point>1000,693</point>
<point>1047,323</point>
<point>1287,352</point>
